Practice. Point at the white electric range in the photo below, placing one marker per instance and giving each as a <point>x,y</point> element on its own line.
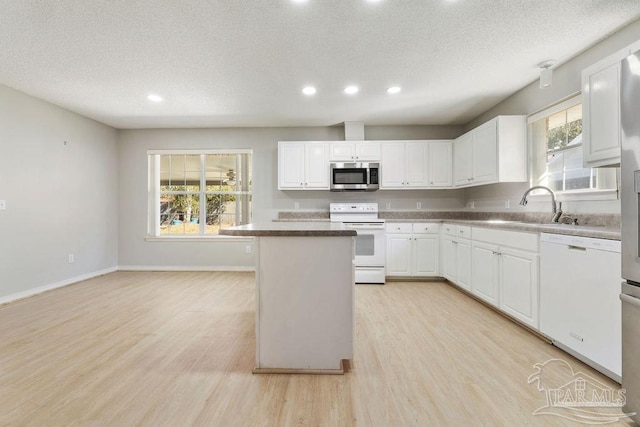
<point>370,256</point>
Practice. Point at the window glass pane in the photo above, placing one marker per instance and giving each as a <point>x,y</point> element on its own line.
<point>577,179</point>
<point>557,131</point>
<point>220,212</point>
<point>179,213</point>
<point>221,171</point>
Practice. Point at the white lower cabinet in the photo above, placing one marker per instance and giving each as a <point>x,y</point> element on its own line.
<point>412,249</point>
<point>456,255</point>
<point>505,271</point>
<point>484,271</point>
<point>519,285</point>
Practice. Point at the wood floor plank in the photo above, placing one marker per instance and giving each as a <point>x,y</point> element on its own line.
<point>177,348</point>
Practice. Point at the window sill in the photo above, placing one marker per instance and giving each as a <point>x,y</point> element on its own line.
<point>196,238</point>
<point>577,196</point>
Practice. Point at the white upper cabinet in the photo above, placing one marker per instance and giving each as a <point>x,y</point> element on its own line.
<point>495,151</point>
<point>416,164</point>
<point>392,165</point>
<point>354,151</point>
<point>463,160</point>
<point>601,109</point>
<point>303,165</point>
<point>440,164</point>
<point>485,153</point>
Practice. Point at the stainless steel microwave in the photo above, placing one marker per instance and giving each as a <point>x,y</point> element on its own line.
<point>355,176</point>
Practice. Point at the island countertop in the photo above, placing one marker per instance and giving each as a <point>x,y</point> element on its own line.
<point>306,229</point>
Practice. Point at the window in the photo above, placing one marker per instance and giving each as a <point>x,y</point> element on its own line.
<point>197,193</point>
<point>556,136</point>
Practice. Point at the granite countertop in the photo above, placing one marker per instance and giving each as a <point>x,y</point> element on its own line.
<point>609,233</point>
<point>600,226</point>
<point>291,228</point>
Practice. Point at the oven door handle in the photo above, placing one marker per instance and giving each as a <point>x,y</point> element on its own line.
<point>630,300</point>
<point>364,226</point>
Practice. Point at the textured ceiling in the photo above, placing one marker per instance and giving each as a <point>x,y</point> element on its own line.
<point>244,62</point>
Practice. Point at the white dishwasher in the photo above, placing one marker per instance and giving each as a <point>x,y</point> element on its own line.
<point>579,299</point>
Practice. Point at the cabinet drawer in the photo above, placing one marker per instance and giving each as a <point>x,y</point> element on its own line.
<point>398,227</point>
<point>449,229</point>
<point>463,231</point>
<point>515,239</point>
<point>426,228</point>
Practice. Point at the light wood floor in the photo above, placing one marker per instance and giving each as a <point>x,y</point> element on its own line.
<point>177,349</point>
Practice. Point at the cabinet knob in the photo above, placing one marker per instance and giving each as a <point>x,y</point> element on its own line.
<point>426,228</point>
<point>431,183</point>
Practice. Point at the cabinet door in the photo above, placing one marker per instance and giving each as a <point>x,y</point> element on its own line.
<point>519,285</point>
<point>601,117</point>
<point>342,151</point>
<point>439,164</point>
<point>398,254</point>
<point>291,163</point>
<point>425,255</point>
<point>463,160</point>
<point>448,259</point>
<point>367,151</point>
<point>392,165</point>
<point>463,264</point>
<point>416,171</point>
<point>317,166</point>
<point>485,272</point>
<point>485,153</point>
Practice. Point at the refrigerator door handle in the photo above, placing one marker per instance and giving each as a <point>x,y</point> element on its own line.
<point>630,300</point>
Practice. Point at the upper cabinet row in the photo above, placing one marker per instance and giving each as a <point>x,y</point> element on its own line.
<point>601,109</point>
<point>493,152</point>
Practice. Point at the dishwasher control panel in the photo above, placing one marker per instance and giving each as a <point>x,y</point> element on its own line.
<point>582,242</point>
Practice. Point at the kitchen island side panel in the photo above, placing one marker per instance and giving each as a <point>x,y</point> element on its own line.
<point>305,307</point>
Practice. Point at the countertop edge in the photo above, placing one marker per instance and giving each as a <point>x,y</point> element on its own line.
<point>290,233</point>
<point>570,230</point>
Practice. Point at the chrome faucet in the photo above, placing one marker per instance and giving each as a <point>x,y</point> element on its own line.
<point>557,211</point>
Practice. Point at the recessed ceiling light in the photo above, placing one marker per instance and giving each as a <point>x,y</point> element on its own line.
<point>351,90</point>
<point>394,89</point>
<point>299,1</point>
<point>155,98</point>
<point>374,1</point>
<point>309,90</point>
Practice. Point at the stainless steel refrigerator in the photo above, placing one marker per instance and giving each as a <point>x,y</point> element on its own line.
<point>630,199</point>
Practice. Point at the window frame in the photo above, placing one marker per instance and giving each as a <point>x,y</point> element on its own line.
<point>590,194</point>
<point>154,192</point>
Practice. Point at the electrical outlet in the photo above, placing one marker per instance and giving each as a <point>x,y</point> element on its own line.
<point>71,258</point>
<point>507,203</point>
<point>296,205</point>
<point>388,205</point>
<point>3,205</point>
<point>472,205</point>
<point>418,205</point>
<point>247,249</point>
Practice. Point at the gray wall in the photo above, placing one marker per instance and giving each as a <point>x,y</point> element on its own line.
<point>530,99</point>
<point>61,199</point>
<point>137,252</point>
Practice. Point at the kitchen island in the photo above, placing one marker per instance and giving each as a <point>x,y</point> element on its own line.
<point>304,296</point>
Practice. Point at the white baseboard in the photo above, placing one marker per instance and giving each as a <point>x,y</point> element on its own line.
<point>60,284</point>
<point>183,268</point>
